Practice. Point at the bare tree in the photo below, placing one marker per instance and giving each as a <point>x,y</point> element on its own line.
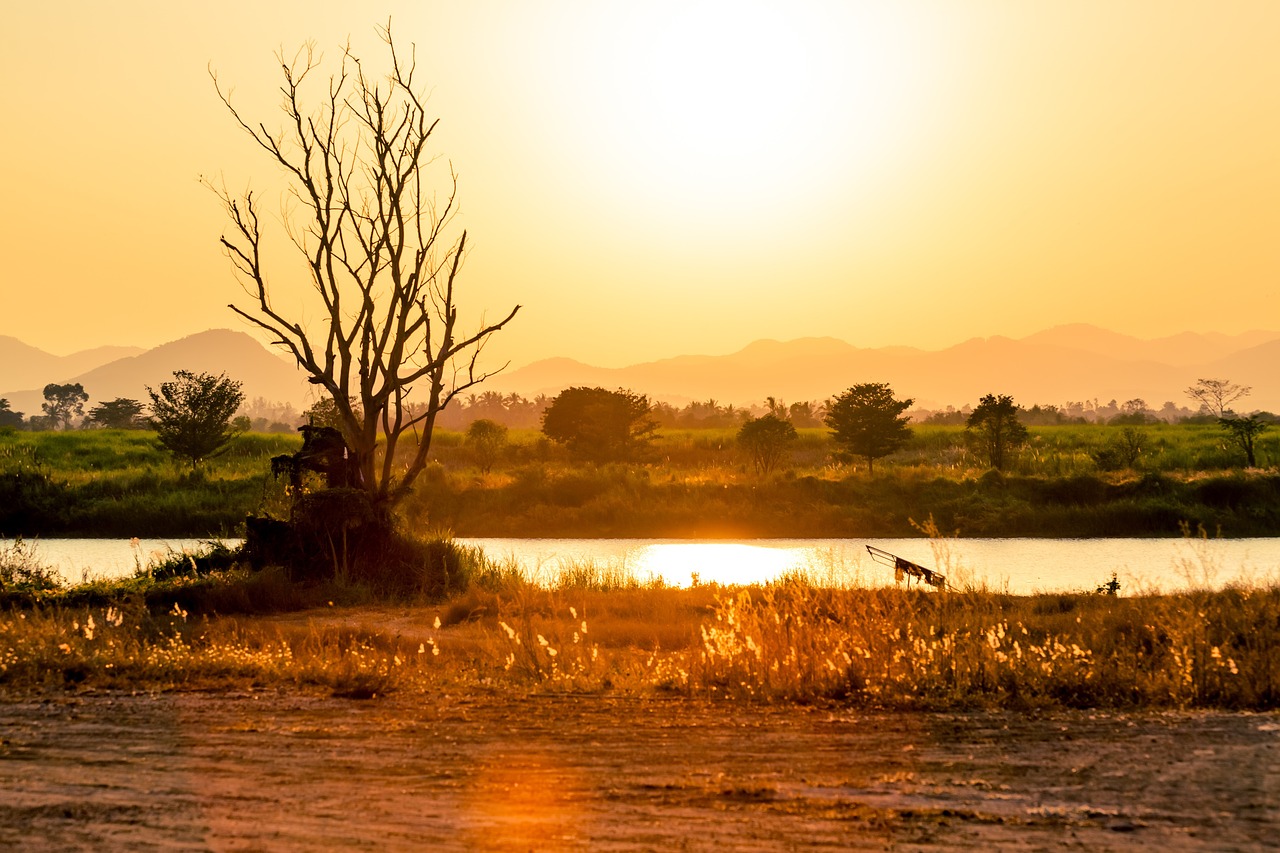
<point>375,235</point>
<point>1217,395</point>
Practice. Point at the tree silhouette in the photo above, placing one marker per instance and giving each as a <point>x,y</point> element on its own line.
<point>1217,395</point>
<point>488,439</point>
<point>599,424</point>
<point>868,421</point>
<point>766,438</point>
<point>192,414</point>
<point>995,428</point>
<point>1244,431</point>
<point>120,413</point>
<point>8,417</point>
<point>364,214</point>
<point>63,402</point>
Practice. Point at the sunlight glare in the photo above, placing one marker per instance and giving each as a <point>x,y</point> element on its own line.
<point>717,103</point>
<point>711,562</point>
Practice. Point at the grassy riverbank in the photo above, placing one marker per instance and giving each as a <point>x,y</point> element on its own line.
<point>694,483</point>
<point>599,633</point>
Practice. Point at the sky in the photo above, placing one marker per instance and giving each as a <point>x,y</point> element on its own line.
<point>664,178</point>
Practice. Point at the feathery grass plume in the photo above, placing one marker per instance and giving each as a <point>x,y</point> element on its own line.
<point>22,571</point>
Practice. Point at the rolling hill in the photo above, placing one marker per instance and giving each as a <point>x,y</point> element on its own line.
<point>241,357</point>
<point>24,366</point>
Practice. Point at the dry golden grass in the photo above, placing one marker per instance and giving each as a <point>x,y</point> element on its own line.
<point>788,641</point>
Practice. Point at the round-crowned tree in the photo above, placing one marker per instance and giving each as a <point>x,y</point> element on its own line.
<point>868,422</point>
<point>766,438</point>
<point>192,414</point>
<point>599,424</point>
<point>487,439</point>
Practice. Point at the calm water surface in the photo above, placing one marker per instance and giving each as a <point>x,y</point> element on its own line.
<point>1018,565</point>
<point>79,560</point>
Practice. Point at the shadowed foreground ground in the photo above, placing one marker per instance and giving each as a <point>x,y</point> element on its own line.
<point>237,771</point>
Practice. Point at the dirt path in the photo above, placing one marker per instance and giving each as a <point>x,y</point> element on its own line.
<point>274,771</point>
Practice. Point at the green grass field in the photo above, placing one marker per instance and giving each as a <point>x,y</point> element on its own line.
<point>692,483</point>
<point>120,483</point>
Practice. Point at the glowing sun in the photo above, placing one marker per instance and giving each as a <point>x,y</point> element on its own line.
<point>719,104</point>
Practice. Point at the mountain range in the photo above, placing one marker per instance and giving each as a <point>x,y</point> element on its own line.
<point>1065,363</point>
<point>1077,362</point>
<point>110,372</point>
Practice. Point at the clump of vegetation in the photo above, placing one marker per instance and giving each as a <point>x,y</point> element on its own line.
<point>123,647</point>
<point>793,641</point>
<point>339,535</point>
<point>21,570</point>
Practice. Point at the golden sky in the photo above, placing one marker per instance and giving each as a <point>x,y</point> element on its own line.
<point>659,178</point>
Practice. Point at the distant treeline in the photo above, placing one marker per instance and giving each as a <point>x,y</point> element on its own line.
<point>518,412</point>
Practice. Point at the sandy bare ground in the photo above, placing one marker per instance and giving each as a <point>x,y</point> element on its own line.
<point>272,771</point>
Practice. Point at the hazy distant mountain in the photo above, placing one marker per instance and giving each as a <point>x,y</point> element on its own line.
<point>1257,367</point>
<point>262,372</point>
<point>1185,349</point>
<point>1067,363</point>
<point>24,366</point>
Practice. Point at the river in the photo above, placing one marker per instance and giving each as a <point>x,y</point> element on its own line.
<point>1013,565</point>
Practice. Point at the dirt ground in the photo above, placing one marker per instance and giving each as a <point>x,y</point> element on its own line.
<point>279,771</point>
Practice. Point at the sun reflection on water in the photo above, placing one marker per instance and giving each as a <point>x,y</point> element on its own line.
<point>1020,566</point>
<point>679,564</point>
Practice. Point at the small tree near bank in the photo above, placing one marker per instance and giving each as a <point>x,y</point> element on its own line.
<point>867,421</point>
<point>487,439</point>
<point>192,414</point>
<point>63,402</point>
<point>598,424</point>
<point>120,413</point>
<point>377,241</point>
<point>1244,431</point>
<point>1122,452</point>
<point>766,439</point>
<point>995,429</point>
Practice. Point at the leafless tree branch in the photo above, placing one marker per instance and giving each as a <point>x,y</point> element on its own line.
<point>374,238</point>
